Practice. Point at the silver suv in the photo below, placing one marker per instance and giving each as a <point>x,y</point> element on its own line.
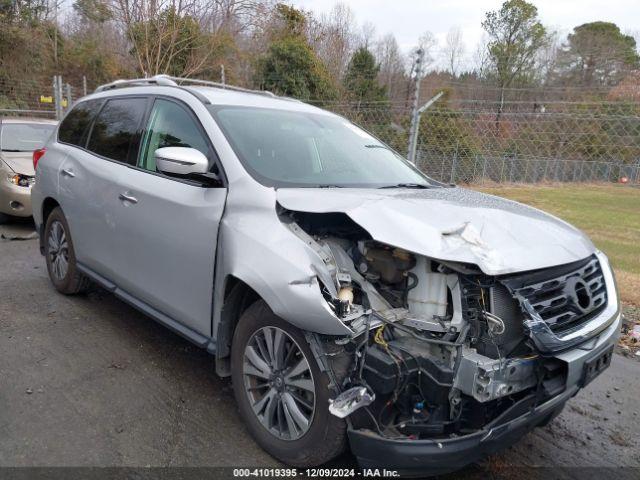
<point>352,299</point>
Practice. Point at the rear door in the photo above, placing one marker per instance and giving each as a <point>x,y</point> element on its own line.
<point>90,179</point>
<point>167,226</point>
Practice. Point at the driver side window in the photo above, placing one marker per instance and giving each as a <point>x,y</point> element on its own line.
<point>170,125</point>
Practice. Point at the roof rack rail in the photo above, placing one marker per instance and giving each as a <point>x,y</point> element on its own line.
<point>169,81</point>
<point>161,80</point>
<point>194,81</point>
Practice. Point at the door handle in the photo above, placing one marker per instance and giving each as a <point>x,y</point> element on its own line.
<point>127,198</point>
<point>68,173</point>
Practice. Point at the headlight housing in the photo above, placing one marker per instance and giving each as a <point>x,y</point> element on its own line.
<point>21,180</point>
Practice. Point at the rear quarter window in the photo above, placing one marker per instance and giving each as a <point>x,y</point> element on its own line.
<point>75,126</point>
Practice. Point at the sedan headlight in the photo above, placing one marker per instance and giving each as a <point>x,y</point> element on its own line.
<point>21,180</point>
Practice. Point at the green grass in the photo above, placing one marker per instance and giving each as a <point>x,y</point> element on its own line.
<point>609,214</point>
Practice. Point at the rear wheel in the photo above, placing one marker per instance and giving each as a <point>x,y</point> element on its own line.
<point>282,395</point>
<point>60,255</point>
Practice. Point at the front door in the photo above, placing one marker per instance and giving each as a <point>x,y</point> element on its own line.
<point>167,226</point>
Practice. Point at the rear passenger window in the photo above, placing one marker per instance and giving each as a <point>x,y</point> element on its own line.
<point>116,132</point>
<point>75,126</point>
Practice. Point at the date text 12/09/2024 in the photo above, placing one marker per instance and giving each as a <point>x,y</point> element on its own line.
<point>314,473</point>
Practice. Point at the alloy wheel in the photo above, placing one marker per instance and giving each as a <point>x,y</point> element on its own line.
<point>58,250</point>
<point>279,383</point>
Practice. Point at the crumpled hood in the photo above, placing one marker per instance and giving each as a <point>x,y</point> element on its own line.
<point>19,162</point>
<point>455,224</point>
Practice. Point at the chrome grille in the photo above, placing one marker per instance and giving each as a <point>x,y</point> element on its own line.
<point>569,299</point>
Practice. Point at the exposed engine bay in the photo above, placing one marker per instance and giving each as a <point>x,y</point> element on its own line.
<point>439,348</point>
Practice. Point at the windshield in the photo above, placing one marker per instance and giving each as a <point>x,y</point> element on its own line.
<point>284,148</point>
<point>24,137</point>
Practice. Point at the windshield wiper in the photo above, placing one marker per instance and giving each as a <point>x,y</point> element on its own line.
<point>13,151</point>
<point>377,146</point>
<point>407,185</point>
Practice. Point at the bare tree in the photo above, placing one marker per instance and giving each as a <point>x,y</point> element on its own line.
<point>367,35</point>
<point>428,43</point>
<point>392,66</point>
<point>334,39</point>
<point>453,51</point>
<point>178,36</point>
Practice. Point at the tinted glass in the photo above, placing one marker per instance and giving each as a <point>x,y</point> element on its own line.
<point>170,125</point>
<point>288,148</point>
<point>24,137</point>
<point>116,132</point>
<point>75,126</point>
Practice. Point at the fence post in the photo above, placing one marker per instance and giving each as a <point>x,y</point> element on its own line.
<point>60,107</point>
<point>453,165</point>
<point>57,102</point>
<point>84,86</point>
<point>415,118</point>
<point>484,168</point>
<point>68,92</point>
<point>546,169</point>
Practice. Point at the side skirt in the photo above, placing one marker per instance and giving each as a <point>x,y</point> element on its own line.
<point>173,325</point>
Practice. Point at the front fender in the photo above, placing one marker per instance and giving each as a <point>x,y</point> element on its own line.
<point>255,247</point>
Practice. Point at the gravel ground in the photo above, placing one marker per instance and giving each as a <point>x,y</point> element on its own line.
<point>88,381</point>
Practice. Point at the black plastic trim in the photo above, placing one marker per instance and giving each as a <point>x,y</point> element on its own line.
<point>432,457</point>
<point>194,337</point>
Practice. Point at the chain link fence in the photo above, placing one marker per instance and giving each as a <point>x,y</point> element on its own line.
<point>475,141</point>
<point>460,140</point>
<point>49,98</point>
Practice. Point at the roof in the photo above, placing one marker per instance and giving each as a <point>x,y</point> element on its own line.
<point>222,96</point>
<point>28,120</point>
<point>215,93</point>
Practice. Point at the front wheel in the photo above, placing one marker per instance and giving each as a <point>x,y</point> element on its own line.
<point>282,395</point>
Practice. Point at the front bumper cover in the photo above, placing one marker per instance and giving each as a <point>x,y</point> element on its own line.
<point>432,457</point>
<point>14,200</point>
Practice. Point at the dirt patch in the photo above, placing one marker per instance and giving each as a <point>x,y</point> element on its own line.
<point>629,344</point>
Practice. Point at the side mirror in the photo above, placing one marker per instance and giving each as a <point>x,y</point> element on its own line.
<point>181,161</point>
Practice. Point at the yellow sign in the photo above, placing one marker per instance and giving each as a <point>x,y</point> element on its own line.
<point>49,99</point>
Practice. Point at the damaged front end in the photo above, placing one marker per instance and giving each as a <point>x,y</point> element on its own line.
<point>446,363</point>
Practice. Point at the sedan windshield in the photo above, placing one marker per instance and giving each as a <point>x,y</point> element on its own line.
<point>24,137</point>
<point>287,148</point>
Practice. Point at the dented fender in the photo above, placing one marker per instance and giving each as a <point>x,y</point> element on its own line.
<point>257,248</point>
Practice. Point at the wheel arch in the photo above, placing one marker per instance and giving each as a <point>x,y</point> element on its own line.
<point>238,296</point>
<point>48,205</point>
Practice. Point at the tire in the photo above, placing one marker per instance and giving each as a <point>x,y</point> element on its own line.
<point>60,256</point>
<point>325,435</point>
<point>4,218</point>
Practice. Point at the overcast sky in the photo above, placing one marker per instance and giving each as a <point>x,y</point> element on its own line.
<point>408,19</point>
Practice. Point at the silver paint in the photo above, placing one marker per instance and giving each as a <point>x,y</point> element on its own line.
<point>254,246</point>
<point>453,224</point>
